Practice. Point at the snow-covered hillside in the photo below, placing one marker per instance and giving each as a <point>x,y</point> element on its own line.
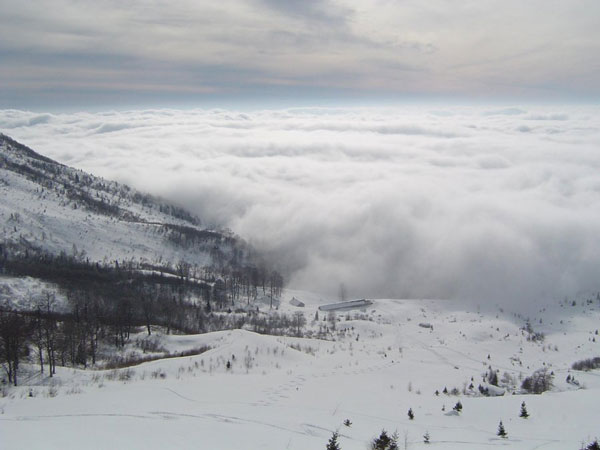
<point>59,209</point>
<point>251,391</point>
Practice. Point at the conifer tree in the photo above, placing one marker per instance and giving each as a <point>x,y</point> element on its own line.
<point>426,437</point>
<point>394,442</point>
<point>382,442</point>
<point>593,446</point>
<point>385,442</point>
<point>524,414</point>
<point>501,431</point>
<point>333,442</point>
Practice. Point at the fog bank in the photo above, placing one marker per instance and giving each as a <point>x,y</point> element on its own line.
<point>484,204</point>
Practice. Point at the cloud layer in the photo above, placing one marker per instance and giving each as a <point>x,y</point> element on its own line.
<point>490,205</point>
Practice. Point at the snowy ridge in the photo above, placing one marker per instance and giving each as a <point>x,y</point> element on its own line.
<point>59,209</point>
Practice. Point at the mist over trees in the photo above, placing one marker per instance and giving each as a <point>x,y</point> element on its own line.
<point>107,303</point>
<point>211,280</point>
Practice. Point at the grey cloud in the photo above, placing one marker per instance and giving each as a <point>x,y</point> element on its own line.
<point>164,53</point>
<point>320,11</point>
<point>109,128</point>
<point>17,120</point>
<point>492,162</point>
<point>554,116</point>
<point>505,112</point>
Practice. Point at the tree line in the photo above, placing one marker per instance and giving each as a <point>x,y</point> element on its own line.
<point>106,303</point>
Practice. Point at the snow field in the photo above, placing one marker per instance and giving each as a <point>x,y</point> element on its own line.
<point>292,393</point>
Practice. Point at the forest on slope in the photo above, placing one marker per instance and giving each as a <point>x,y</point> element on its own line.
<point>112,260</point>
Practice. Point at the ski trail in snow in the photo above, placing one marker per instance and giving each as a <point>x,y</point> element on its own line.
<point>181,396</point>
<point>60,416</point>
<point>548,442</point>
<point>305,429</point>
<point>274,394</point>
<point>284,390</point>
<point>458,352</point>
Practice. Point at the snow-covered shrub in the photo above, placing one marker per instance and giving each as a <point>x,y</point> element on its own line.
<point>540,381</point>
<point>587,364</point>
<point>158,373</point>
<point>150,344</point>
<point>52,390</point>
<point>126,375</point>
<point>507,380</point>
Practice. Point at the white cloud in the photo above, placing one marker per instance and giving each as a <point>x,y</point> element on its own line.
<point>419,202</point>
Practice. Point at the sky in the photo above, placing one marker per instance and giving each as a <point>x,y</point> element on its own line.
<point>93,55</point>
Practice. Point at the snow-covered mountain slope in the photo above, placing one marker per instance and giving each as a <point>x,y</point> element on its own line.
<point>253,391</point>
<point>55,208</point>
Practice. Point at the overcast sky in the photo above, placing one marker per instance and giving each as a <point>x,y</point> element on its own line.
<point>85,54</point>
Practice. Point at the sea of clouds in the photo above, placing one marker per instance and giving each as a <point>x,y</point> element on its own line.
<point>496,205</point>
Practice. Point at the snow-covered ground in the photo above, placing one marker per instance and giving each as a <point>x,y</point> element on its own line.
<point>292,393</point>
<point>44,220</point>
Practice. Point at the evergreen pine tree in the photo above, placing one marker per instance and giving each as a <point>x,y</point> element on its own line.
<point>385,442</point>
<point>394,442</point>
<point>426,437</point>
<point>501,431</point>
<point>593,446</point>
<point>524,414</point>
<point>333,442</point>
